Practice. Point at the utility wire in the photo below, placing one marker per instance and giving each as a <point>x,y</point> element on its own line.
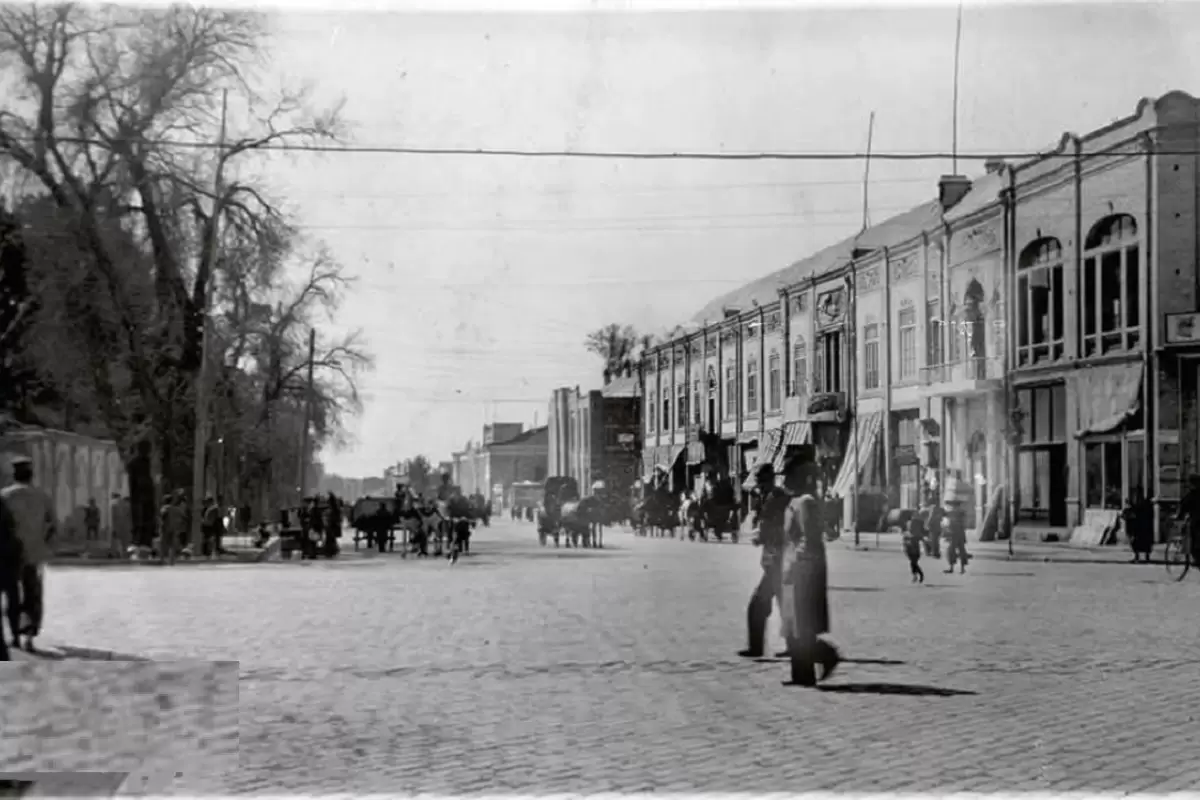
<point>252,146</point>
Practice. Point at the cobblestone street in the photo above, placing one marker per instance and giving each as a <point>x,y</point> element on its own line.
<point>525,668</point>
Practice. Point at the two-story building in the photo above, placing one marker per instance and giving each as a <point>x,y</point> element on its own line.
<point>1038,328</point>
<point>595,436</point>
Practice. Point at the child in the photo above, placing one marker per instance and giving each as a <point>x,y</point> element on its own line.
<point>914,536</point>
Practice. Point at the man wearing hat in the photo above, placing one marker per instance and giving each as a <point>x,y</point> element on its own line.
<point>10,576</point>
<point>33,517</point>
<point>773,502</point>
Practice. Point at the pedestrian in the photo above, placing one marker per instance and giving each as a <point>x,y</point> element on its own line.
<point>91,521</point>
<point>914,538</point>
<point>1138,519</point>
<point>172,527</point>
<point>1189,513</point>
<point>33,516</point>
<point>934,525</point>
<point>956,537</point>
<point>773,501</point>
<point>10,578</point>
<point>804,579</point>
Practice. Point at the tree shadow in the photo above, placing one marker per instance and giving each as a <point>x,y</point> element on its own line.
<point>884,662</point>
<point>894,689</point>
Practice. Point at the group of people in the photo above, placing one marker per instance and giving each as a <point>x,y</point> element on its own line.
<point>792,531</point>
<point>925,530</point>
<point>26,527</point>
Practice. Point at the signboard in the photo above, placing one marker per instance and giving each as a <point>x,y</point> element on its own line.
<point>625,438</point>
<point>827,407</point>
<point>1183,328</point>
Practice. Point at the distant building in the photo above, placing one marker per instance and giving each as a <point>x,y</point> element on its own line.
<point>505,453</point>
<point>596,435</point>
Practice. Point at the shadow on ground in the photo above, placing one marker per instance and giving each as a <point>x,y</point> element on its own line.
<point>894,689</point>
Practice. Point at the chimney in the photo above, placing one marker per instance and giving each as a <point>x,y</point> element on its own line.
<point>994,165</point>
<point>951,189</point>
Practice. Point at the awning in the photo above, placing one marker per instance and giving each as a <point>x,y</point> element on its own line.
<point>695,453</point>
<point>766,455</point>
<point>793,433</point>
<point>1108,396</point>
<point>856,460</point>
<point>670,454</point>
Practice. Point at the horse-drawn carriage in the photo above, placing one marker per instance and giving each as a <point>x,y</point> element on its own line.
<point>557,492</point>
<point>375,520</point>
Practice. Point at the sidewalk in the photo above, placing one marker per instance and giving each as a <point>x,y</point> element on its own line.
<point>1043,552</point>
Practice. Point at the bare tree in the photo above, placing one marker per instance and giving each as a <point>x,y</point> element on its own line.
<point>108,110</point>
<point>615,344</point>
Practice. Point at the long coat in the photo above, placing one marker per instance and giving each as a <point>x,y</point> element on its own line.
<point>804,599</point>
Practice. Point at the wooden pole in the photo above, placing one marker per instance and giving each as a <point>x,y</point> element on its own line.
<point>200,439</point>
<point>303,479</point>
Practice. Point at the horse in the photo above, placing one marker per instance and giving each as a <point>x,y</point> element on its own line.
<point>583,519</point>
<point>657,514</point>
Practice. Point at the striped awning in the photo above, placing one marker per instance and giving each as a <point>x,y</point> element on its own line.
<point>766,454</point>
<point>793,433</point>
<point>858,457</point>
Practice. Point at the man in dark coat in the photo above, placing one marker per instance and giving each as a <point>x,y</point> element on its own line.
<point>1189,509</point>
<point>804,582</point>
<point>773,501</point>
<point>10,577</point>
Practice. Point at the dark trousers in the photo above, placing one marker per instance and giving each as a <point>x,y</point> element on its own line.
<point>23,593</point>
<point>759,609</point>
<point>914,561</point>
<point>956,551</point>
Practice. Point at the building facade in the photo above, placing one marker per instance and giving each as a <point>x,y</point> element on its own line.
<point>596,435</point>
<point>1036,328</point>
<point>505,453</point>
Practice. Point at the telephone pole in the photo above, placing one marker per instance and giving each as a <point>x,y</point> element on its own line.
<point>303,482</point>
<point>200,440</point>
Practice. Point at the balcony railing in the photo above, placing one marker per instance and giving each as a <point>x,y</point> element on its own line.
<point>983,368</point>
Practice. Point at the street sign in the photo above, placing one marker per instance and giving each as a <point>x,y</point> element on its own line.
<point>1183,328</point>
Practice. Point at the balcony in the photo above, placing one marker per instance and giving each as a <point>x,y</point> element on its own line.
<point>969,376</point>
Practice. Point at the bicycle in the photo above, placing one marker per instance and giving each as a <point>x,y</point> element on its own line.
<point>1178,553</point>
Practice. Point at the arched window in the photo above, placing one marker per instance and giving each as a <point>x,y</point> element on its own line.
<point>666,408</point>
<point>774,382</point>
<point>681,403</point>
<point>799,368</point>
<point>1110,287</point>
<point>1040,308</point>
<point>696,404</point>
<point>752,385</point>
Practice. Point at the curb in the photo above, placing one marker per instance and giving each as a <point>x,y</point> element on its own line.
<point>65,652</point>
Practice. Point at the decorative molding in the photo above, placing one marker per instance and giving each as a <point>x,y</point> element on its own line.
<point>870,319</point>
<point>800,303</point>
<point>774,321</point>
<point>904,268</point>
<point>907,302</point>
<point>751,330</point>
<point>869,279</point>
<point>711,342</point>
<point>831,307</point>
<point>976,241</point>
<point>678,355</point>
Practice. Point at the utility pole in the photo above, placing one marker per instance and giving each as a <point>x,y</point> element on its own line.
<point>200,439</point>
<point>303,482</point>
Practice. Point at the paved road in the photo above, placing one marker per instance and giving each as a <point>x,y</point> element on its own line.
<point>527,669</point>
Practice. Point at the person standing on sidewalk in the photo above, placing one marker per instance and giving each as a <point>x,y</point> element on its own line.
<point>91,520</point>
<point>173,527</point>
<point>33,516</point>
<point>773,501</point>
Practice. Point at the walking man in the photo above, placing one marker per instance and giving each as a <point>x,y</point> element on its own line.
<point>173,522</point>
<point>34,519</point>
<point>773,502</point>
<point>10,577</point>
<point>91,520</point>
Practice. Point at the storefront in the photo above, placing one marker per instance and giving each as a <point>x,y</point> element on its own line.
<point>906,473</point>
<point>1042,468</point>
<point>1112,440</point>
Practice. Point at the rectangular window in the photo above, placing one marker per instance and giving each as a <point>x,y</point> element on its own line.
<point>1034,468</point>
<point>799,369</point>
<point>1043,414</point>
<point>681,405</point>
<point>650,414</point>
<point>666,408</point>
<point>731,393</point>
<point>1103,463</point>
<point>871,357</point>
<point>696,402</point>
<point>752,387</point>
<point>829,363</point>
<point>908,344</point>
<point>774,383</point>
<point>933,333</point>
<point>1040,303</point>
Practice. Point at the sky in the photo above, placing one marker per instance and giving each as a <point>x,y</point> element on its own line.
<point>478,278</point>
